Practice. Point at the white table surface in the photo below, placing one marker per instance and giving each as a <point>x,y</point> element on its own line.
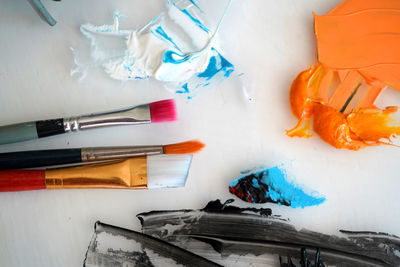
<point>270,41</point>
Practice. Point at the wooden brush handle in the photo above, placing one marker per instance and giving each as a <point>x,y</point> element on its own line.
<point>22,180</point>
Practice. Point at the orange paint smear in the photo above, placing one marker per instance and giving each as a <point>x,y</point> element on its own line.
<point>359,55</point>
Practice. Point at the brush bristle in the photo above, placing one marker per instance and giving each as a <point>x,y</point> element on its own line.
<point>163,110</point>
<point>167,170</point>
<point>184,147</point>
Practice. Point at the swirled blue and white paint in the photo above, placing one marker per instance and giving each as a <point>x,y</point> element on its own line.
<point>175,47</point>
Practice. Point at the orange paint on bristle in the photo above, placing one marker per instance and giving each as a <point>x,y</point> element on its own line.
<point>184,147</point>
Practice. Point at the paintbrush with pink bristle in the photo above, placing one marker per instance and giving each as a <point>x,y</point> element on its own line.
<point>160,111</point>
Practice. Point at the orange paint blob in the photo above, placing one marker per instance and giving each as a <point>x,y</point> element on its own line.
<point>358,46</point>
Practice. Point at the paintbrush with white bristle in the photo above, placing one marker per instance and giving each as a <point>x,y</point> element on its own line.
<point>158,171</point>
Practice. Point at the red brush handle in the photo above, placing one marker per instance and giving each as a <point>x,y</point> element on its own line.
<point>22,180</point>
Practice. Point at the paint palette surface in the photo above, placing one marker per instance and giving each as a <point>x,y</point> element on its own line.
<point>242,119</point>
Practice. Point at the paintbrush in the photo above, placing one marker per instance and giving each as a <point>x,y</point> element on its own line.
<point>42,11</point>
<point>40,158</point>
<point>160,111</point>
<point>157,171</point>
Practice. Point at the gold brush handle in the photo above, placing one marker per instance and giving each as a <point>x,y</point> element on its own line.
<point>129,174</point>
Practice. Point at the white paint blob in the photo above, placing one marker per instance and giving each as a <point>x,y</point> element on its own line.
<point>176,47</point>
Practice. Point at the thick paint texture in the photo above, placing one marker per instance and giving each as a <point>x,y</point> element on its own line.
<point>271,185</point>
<point>234,236</point>
<point>358,57</point>
<point>176,47</point>
<point>112,246</point>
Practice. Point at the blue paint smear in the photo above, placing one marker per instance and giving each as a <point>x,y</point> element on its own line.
<point>194,3</point>
<point>138,77</point>
<point>104,30</point>
<point>169,57</point>
<point>218,69</point>
<point>271,185</point>
<point>159,32</point>
<point>196,21</point>
<point>216,64</point>
<point>185,89</point>
<point>150,23</point>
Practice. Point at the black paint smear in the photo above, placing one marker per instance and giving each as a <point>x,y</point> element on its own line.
<point>138,258</point>
<point>304,261</point>
<point>289,262</point>
<point>246,191</point>
<point>350,98</point>
<point>217,206</point>
<point>230,230</point>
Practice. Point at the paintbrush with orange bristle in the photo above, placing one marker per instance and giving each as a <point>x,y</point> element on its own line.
<point>40,158</point>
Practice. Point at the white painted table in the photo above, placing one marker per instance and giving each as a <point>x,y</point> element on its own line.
<point>270,41</point>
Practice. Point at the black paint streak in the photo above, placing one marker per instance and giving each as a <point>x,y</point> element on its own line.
<point>350,98</point>
<point>245,189</point>
<point>304,261</point>
<point>289,262</point>
<point>138,257</point>
<point>230,230</point>
<point>217,207</point>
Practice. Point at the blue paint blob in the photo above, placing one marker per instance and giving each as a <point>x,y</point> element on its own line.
<point>185,89</point>
<point>216,64</point>
<point>218,69</point>
<point>271,185</point>
<point>175,58</point>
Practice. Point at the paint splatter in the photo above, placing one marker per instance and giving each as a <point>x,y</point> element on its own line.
<point>271,185</point>
<point>176,47</point>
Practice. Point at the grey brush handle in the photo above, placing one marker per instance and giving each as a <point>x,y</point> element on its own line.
<point>30,130</point>
<point>18,133</point>
<point>33,130</point>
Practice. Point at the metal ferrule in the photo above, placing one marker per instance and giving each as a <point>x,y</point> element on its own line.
<point>104,153</point>
<point>130,173</point>
<point>135,115</point>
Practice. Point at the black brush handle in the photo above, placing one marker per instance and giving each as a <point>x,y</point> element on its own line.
<point>50,127</point>
<point>39,158</point>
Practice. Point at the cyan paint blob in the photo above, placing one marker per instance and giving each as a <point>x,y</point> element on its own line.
<point>218,69</point>
<point>271,185</point>
<point>185,89</point>
<point>217,64</point>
